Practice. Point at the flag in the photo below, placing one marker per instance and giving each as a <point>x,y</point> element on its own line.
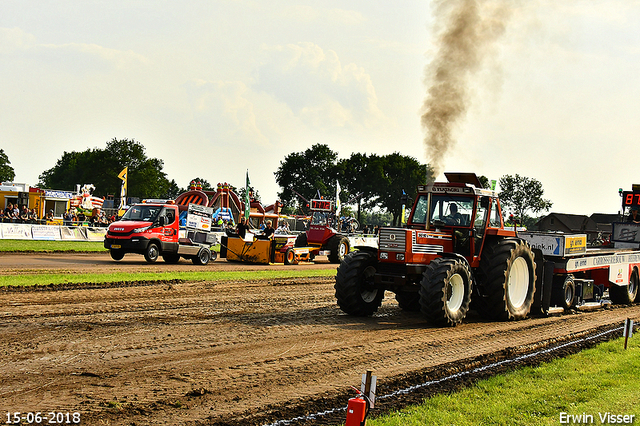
<point>123,188</point>
<point>338,205</point>
<point>403,218</point>
<point>247,201</point>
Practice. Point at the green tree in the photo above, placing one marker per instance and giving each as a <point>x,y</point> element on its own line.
<point>7,174</point>
<point>306,173</point>
<point>100,167</point>
<point>399,173</point>
<point>522,194</point>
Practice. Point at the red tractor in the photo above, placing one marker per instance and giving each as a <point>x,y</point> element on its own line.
<point>322,236</point>
<point>454,251</point>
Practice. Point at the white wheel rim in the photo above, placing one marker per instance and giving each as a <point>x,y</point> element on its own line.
<point>518,282</point>
<point>455,292</point>
<point>343,249</point>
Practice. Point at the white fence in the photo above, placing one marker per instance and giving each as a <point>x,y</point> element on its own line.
<point>23,231</point>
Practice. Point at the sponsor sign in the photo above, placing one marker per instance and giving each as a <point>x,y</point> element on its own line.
<point>16,231</point>
<point>45,232</point>
<point>556,244</point>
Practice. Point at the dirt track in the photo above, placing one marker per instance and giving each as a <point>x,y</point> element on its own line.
<point>201,353</point>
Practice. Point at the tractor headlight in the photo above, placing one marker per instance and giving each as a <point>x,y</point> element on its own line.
<point>400,256</point>
<point>384,255</point>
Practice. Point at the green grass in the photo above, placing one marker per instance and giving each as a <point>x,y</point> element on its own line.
<point>595,381</point>
<point>31,278</point>
<point>50,246</point>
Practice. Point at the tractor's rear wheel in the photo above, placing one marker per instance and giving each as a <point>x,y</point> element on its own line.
<point>355,290</point>
<point>625,294</point>
<point>445,291</point>
<point>507,275</point>
<point>301,240</point>
<point>338,248</point>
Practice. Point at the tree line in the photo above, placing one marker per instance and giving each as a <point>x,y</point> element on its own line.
<point>373,183</point>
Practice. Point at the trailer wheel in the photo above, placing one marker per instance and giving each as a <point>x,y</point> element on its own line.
<point>445,291</point>
<point>152,253</point>
<point>290,257</point>
<point>507,275</point>
<point>203,257</point>
<point>625,294</point>
<point>355,290</point>
<point>171,258</point>
<point>564,293</point>
<point>339,247</point>
<point>116,254</point>
<point>408,300</point>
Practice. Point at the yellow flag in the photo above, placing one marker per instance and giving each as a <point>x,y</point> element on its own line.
<point>123,174</point>
<point>123,188</point>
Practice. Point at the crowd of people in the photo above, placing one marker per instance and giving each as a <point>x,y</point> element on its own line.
<point>13,213</point>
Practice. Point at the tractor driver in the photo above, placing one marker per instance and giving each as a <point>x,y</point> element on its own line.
<point>453,218</point>
<point>634,217</point>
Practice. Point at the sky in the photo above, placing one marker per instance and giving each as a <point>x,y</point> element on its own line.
<point>218,87</point>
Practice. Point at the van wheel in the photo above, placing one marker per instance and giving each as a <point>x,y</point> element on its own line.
<point>116,254</point>
<point>152,253</point>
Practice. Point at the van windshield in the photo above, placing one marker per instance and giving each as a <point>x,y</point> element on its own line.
<point>144,213</point>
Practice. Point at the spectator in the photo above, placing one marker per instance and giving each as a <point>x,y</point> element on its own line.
<point>242,228</point>
<point>33,216</point>
<point>24,215</point>
<point>268,230</point>
<point>283,229</point>
<point>67,217</point>
<point>49,216</point>
<point>8,213</point>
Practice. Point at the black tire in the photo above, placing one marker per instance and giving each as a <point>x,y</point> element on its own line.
<point>339,247</point>
<point>563,293</point>
<point>445,291</point>
<point>289,257</point>
<point>171,258</point>
<point>152,253</point>
<point>507,275</point>
<point>625,294</point>
<point>203,257</point>
<point>116,254</point>
<point>301,240</point>
<point>355,290</point>
<point>408,300</point>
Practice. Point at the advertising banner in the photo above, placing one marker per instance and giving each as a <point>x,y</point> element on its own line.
<point>45,232</point>
<point>15,231</point>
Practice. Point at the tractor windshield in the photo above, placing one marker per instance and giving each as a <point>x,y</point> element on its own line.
<point>445,210</point>
<point>144,213</point>
<point>456,211</point>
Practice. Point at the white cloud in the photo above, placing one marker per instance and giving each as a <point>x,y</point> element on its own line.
<point>12,39</point>
<point>318,89</point>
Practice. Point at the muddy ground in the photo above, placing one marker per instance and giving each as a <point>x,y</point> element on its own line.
<point>242,352</point>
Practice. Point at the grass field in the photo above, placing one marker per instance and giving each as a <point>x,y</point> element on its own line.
<point>50,246</point>
<point>596,384</point>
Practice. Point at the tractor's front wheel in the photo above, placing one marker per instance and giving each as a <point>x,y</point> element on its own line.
<point>355,290</point>
<point>445,291</point>
<point>508,276</point>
